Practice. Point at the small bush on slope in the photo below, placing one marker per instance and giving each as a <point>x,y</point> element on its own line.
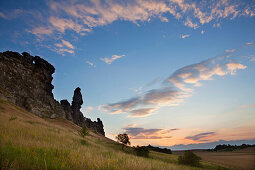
<point>142,151</point>
<point>84,131</point>
<point>189,158</point>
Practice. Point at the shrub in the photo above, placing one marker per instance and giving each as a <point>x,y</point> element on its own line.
<point>84,131</point>
<point>12,118</point>
<point>157,149</point>
<point>189,158</point>
<point>83,142</point>
<point>142,151</point>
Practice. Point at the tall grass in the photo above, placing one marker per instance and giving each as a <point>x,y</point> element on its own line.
<point>42,144</point>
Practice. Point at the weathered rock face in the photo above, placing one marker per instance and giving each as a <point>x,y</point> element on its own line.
<point>78,117</point>
<point>95,126</point>
<point>26,81</point>
<point>67,108</point>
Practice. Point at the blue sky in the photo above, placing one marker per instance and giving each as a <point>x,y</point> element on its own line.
<point>166,72</point>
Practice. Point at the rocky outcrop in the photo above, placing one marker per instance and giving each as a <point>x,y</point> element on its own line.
<point>67,108</point>
<point>26,81</point>
<point>96,126</point>
<point>77,115</point>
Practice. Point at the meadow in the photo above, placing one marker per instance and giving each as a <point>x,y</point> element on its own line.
<point>30,142</point>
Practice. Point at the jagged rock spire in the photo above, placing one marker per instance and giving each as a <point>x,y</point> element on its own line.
<point>77,99</point>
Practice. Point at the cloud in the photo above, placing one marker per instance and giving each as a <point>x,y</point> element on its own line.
<point>231,51</point>
<point>131,125</point>
<point>176,87</point>
<point>38,31</point>
<point>62,24</point>
<point>202,32</point>
<point>65,46</point>
<point>2,15</point>
<point>153,82</point>
<point>205,70</point>
<point>137,90</point>
<point>61,50</point>
<point>233,67</point>
<point>185,36</point>
<point>83,16</point>
<point>143,133</point>
<point>156,97</point>
<point>201,136</point>
<point>252,59</point>
<point>112,59</point>
<point>189,23</point>
<point>163,96</point>
<point>91,64</point>
<point>249,43</point>
<point>141,112</point>
<point>163,19</point>
<point>64,43</point>
<point>89,108</point>
<point>123,106</point>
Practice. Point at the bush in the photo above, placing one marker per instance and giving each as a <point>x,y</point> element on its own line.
<point>84,131</point>
<point>157,149</point>
<point>142,151</point>
<point>12,118</point>
<point>83,142</point>
<point>189,158</point>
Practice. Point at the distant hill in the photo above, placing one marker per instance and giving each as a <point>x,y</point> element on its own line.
<point>226,148</point>
<point>210,145</point>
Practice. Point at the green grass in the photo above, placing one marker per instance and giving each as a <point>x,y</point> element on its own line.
<point>83,142</point>
<point>34,143</point>
<point>12,118</point>
<point>12,156</point>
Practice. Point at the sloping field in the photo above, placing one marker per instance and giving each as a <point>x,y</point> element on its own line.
<point>30,142</point>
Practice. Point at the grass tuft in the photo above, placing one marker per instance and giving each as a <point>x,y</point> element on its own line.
<point>83,142</point>
<point>12,118</point>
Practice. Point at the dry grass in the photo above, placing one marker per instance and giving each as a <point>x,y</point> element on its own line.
<point>237,160</point>
<point>29,142</point>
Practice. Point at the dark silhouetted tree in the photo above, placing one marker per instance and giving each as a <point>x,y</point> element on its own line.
<point>124,139</point>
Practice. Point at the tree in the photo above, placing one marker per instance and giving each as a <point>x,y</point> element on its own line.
<point>124,139</point>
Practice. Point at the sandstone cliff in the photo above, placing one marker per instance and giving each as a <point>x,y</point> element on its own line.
<point>26,80</point>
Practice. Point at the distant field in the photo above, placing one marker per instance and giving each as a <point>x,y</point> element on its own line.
<point>241,159</point>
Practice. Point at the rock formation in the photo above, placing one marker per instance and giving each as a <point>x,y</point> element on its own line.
<point>26,81</point>
<point>76,106</point>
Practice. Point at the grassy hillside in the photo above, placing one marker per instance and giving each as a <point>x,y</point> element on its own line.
<point>29,142</point>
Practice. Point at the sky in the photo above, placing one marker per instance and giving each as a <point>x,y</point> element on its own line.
<point>166,72</point>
